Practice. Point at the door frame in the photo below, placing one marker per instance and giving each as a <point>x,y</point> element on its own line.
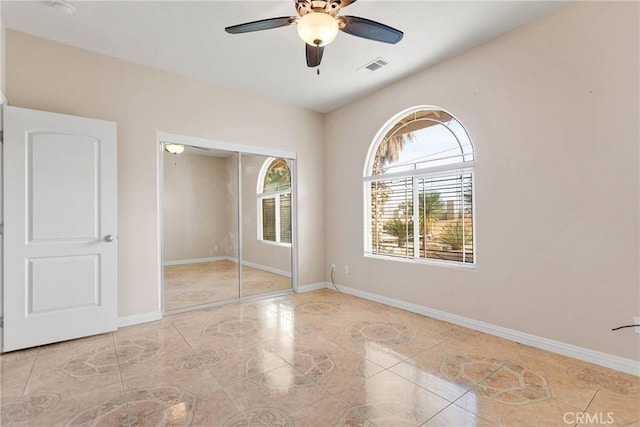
<point>164,137</point>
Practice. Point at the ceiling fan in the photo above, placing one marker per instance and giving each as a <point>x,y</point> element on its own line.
<point>318,25</point>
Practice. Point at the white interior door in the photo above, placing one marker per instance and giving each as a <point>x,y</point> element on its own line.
<point>60,223</point>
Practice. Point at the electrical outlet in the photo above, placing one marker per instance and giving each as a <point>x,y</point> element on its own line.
<point>333,266</point>
<point>636,321</point>
<point>346,269</point>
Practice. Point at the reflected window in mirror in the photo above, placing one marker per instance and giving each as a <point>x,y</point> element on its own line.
<point>274,202</point>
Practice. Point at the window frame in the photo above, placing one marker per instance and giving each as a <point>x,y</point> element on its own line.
<point>447,170</point>
<point>275,195</point>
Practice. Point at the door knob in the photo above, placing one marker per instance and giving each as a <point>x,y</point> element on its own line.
<point>108,238</point>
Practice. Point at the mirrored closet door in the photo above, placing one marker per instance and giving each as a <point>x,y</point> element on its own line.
<point>200,227</point>
<point>266,224</point>
<point>227,226</point>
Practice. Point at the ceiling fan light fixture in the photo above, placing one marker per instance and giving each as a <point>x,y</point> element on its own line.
<point>174,148</point>
<point>318,28</point>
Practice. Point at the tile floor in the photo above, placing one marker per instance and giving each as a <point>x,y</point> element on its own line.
<point>315,359</point>
<point>186,285</point>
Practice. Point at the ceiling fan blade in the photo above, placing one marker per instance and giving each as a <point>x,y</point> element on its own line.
<point>345,3</point>
<point>263,24</point>
<point>369,29</point>
<point>314,55</point>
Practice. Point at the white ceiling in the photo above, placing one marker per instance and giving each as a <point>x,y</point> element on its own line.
<point>188,38</point>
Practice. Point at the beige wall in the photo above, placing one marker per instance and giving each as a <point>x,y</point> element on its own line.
<point>231,203</point>
<point>254,250</point>
<point>552,109</point>
<point>2,67</point>
<point>50,76</point>
<point>194,207</point>
<point>2,56</point>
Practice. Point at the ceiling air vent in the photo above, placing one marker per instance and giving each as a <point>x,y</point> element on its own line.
<point>374,65</point>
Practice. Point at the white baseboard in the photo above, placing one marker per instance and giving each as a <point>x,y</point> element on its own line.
<point>261,267</point>
<point>596,357</point>
<point>196,260</point>
<point>228,258</point>
<point>136,319</point>
<point>311,287</point>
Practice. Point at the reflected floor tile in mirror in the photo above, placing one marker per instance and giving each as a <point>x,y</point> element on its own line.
<point>186,285</point>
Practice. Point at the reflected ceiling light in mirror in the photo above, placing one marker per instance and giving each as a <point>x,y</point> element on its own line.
<point>174,148</point>
<point>64,7</point>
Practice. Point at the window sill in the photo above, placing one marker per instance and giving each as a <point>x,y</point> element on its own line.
<point>422,261</point>
<point>272,243</point>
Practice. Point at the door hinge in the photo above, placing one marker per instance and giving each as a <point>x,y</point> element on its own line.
<point>1,136</point>
<point>1,321</point>
<point>1,228</point>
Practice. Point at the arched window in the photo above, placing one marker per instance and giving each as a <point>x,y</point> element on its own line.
<point>274,202</point>
<point>423,157</point>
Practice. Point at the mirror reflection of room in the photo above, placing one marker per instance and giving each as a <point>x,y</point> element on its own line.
<point>201,199</point>
<point>266,224</point>
<point>200,222</point>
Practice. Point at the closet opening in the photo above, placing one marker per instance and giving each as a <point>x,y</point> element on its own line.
<point>228,227</point>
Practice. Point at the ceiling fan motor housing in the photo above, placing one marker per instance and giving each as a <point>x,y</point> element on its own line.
<point>331,7</point>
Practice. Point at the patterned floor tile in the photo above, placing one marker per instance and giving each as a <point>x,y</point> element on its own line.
<point>327,364</point>
<point>448,369</point>
<point>453,415</point>
<point>315,359</point>
<point>386,399</point>
<point>516,395</point>
<point>285,389</point>
<point>77,367</point>
<point>104,406</point>
<point>574,382</point>
<point>617,400</point>
<point>327,412</point>
<point>170,396</point>
<point>15,369</point>
<point>242,363</point>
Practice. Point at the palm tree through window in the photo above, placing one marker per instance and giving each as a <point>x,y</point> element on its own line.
<point>422,158</point>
